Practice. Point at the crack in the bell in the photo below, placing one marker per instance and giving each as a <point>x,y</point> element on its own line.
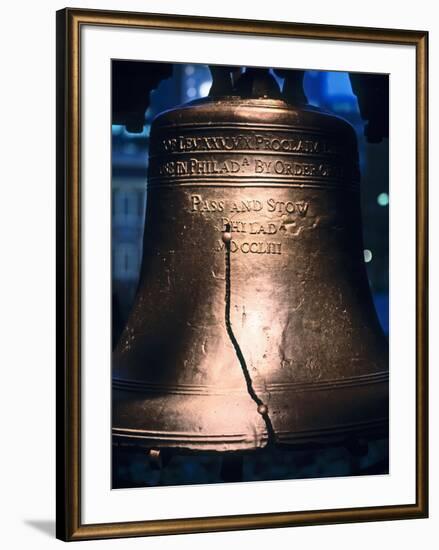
<point>262,407</point>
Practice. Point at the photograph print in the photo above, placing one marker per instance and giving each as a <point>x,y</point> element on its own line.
<point>250,274</point>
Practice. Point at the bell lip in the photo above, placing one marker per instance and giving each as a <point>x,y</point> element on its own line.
<point>348,417</point>
<point>376,429</point>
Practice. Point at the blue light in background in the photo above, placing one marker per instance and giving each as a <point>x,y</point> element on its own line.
<point>383,199</point>
<point>338,84</point>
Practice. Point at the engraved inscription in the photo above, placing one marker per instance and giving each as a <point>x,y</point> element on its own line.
<point>279,221</point>
<point>198,204</point>
<point>289,207</point>
<point>282,168</point>
<point>249,142</point>
<point>245,166</point>
<point>191,167</point>
<point>251,247</point>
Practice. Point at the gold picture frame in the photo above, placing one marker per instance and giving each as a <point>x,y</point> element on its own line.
<point>69,23</point>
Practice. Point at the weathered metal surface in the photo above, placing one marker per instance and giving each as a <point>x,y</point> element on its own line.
<point>284,182</point>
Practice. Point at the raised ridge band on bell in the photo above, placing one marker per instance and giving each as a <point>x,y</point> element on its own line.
<point>193,389</point>
<point>197,441</point>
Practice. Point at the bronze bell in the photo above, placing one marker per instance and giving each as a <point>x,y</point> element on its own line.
<point>253,322</point>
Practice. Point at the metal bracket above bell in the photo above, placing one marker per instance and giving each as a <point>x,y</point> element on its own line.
<point>223,80</point>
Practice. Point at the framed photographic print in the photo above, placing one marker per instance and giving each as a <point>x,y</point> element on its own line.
<point>242,274</point>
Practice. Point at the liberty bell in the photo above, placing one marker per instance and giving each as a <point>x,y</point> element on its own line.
<point>253,322</point>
